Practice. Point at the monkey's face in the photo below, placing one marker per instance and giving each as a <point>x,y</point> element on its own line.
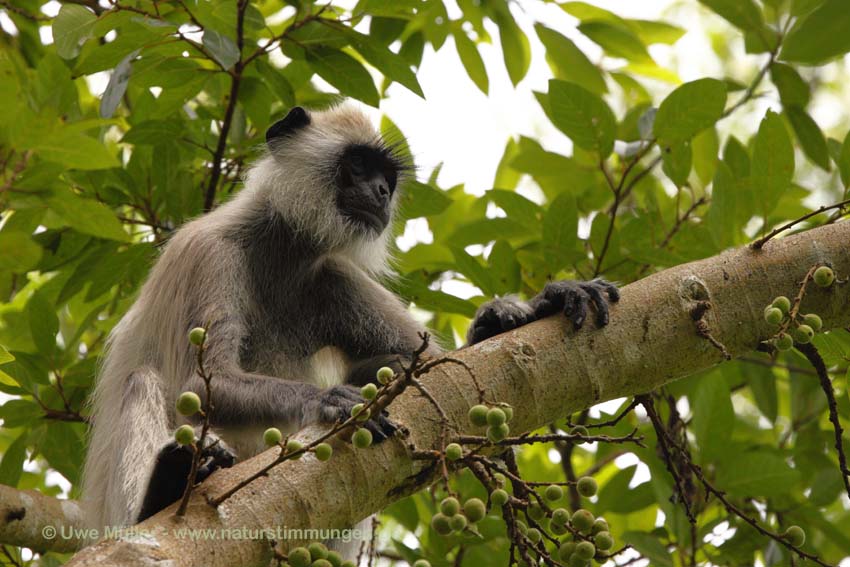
<point>366,183</point>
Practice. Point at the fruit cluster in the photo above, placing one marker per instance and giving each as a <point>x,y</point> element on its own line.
<point>793,326</point>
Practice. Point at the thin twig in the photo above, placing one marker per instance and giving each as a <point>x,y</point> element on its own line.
<point>757,245</point>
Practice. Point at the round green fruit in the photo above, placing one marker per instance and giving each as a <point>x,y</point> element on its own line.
<point>369,391</point>
<point>521,527</point>
<point>421,563</point>
<point>441,524</point>
<point>272,436</point>
<point>188,403</point>
<point>535,511</point>
<point>814,321</point>
<point>450,506</point>
<point>348,563</point>
<point>498,433</point>
<point>582,520</point>
<point>474,510</point>
<point>197,336</point>
<point>784,341</point>
<point>334,558</point>
<point>185,435</point>
<point>604,541</point>
<point>454,452</point>
<point>804,334</point>
<point>533,535</point>
<point>558,529</point>
<point>362,438</point>
<point>509,412</point>
<point>585,550</point>
<point>824,276</point>
<point>560,516</point>
<point>292,445</point>
<point>478,415</point>
<point>458,522</point>
<point>499,498</point>
<point>599,525</point>
<point>496,417</point>
<point>500,479</point>
<point>782,303</point>
<point>321,563</point>
<point>795,535</point>
<point>299,557</point>
<point>385,374</point>
<point>324,451</point>
<point>586,486</point>
<point>358,411</point>
<point>773,315</point>
<point>317,551</point>
<point>576,561</point>
<point>566,550</point>
<point>553,492</point>
<point>579,430</point>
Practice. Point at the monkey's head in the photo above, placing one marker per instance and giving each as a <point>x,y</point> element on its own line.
<point>331,173</point>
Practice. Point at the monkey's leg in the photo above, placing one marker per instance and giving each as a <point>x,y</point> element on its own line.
<point>171,471</point>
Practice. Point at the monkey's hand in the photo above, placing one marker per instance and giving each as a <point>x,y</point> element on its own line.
<point>498,316</point>
<point>334,405</point>
<point>572,298</point>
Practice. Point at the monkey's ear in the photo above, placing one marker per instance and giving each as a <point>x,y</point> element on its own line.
<point>296,119</point>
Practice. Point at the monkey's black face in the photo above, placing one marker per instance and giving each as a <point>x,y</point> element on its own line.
<point>366,183</point>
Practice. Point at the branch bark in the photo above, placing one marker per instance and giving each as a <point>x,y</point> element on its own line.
<point>545,370</point>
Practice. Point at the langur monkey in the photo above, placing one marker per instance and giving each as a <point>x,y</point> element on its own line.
<point>285,278</point>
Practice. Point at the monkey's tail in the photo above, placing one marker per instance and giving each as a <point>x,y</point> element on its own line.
<point>130,426</point>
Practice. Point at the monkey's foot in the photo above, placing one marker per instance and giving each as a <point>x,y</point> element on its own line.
<point>334,405</point>
<point>572,299</point>
<point>498,316</point>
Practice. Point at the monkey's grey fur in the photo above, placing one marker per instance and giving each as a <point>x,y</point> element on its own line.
<point>285,279</point>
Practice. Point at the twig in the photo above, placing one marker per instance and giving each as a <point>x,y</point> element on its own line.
<point>757,245</point>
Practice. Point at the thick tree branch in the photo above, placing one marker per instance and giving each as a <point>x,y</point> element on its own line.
<point>544,370</point>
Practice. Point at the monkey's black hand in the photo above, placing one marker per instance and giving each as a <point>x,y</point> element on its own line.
<point>335,403</point>
<point>171,471</point>
<point>498,316</point>
<point>572,298</point>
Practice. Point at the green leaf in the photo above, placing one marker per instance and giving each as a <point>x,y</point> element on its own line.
<point>569,62</point>
<point>117,86</point>
<point>560,230</point>
<point>277,83</point>
<point>793,90</point>
<point>755,473</point>
<point>677,160</point>
<point>736,157</point>
<point>221,47</point>
<point>515,46</point>
<point>345,73</point>
<point>743,14</point>
<point>773,162</point>
<point>689,109</point>
<point>86,216</point>
<point>763,387</point>
<point>821,36</point>
<point>518,208</point>
<point>72,26</point>
<point>616,41</point>
<point>843,161</point>
<point>484,231</point>
<point>505,272</point>
<point>616,496</point>
<point>706,147</point>
<point>75,151</point>
<point>582,116</point>
<point>393,66</point>
<point>650,547</point>
<point>44,324</point>
<point>153,132</point>
<point>650,32</point>
<point>472,61</point>
<point>714,416</point>
<point>810,136</point>
<point>422,200</point>
<point>473,269</point>
<point>5,356</point>
<point>722,216</point>
<point>20,253</point>
<point>12,465</point>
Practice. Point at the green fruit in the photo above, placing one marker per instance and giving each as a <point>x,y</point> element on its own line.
<point>188,403</point>
<point>292,445</point>
<point>795,536</point>
<point>586,486</point>
<point>321,563</point>
<point>558,529</point>
<point>533,535</point>
<point>553,492</point>
<point>782,303</point>
<point>478,415</point>
<point>454,452</point>
<point>496,417</point>
<point>773,315</point>
<point>323,451</point>
<point>599,525</point>
<point>358,411</point>
<point>458,522</point>
<point>585,550</point>
<point>272,436</point>
<point>441,524</point>
<point>814,321</point>
<point>362,438</point>
<point>385,374</point>
<point>334,558</point>
<point>500,479</point>
<point>604,541</point>
<point>535,511</point>
<point>803,334</point>
<point>421,563</point>
<point>521,527</point>
<point>560,517</point>
<point>474,510</point>
<point>509,412</point>
<point>348,563</point>
<point>499,498</point>
<point>579,430</point>
<point>576,561</point>
<point>450,506</point>
<point>582,520</point>
<point>185,435</point>
<point>369,391</point>
<point>784,341</point>
<point>824,276</point>
<point>498,433</point>
<point>317,551</point>
<point>299,557</point>
<point>197,336</point>
<point>566,550</point>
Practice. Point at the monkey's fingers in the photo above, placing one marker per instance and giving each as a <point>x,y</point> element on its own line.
<point>599,303</point>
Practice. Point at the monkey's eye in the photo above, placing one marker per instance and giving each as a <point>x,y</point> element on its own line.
<point>357,165</point>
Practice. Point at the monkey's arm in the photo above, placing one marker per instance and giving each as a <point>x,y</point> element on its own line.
<point>568,297</point>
